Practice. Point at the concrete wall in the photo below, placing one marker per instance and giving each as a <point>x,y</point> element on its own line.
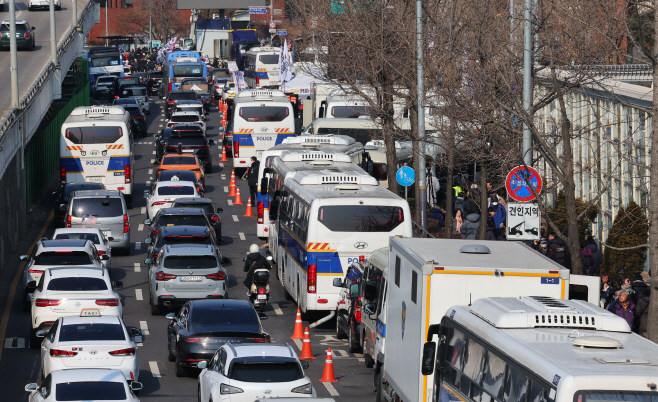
<point>12,204</point>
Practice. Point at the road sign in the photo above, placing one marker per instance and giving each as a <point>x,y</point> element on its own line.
<point>282,32</point>
<point>519,181</point>
<point>523,221</point>
<point>313,24</point>
<point>257,10</point>
<point>405,176</point>
<point>273,31</point>
<point>272,25</point>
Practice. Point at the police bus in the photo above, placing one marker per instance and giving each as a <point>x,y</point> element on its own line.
<point>104,60</point>
<point>261,120</point>
<point>326,220</point>
<point>261,67</point>
<point>336,143</point>
<point>96,146</point>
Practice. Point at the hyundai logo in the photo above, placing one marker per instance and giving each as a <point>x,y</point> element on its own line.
<point>263,129</point>
<point>92,352</point>
<point>77,304</point>
<point>267,391</point>
<point>94,152</point>
<point>360,245</point>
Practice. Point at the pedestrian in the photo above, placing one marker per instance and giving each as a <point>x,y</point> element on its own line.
<point>638,286</point>
<point>596,257</point>
<point>627,286</point>
<point>252,178</point>
<point>642,313</point>
<point>607,291</point>
<point>558,251</point>
<point>491,225</point>
<point>457,223</point>
<point>471,226</point>
<point>587,261</point>
<point>623,307</point>
<point>500,215</point>
<point>433,188</point>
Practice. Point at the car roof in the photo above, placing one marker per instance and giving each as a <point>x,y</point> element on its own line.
<point>186,113</point>
<point>263,350</point>
<point>189,103</point>
<point>86,375</point>
<point>104,319</point>
<point>97,193</point>
<point>17,21</point>
<point>68,272</point>
<point>181,211</point>
<point>69,244</point>
<point>76,230</point>
<point>184,231</point>
<point>190,250</point>
<point>195,200</point>
<point>170,183</point>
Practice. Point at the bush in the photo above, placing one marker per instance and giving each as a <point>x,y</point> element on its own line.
<point>558,214</point>
<point>630,228</point>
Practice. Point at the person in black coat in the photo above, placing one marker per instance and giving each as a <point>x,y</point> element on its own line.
<point>254,261</point>
<point>558,251</point>
<point>252,179</point>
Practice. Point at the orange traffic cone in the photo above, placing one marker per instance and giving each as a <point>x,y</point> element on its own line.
<point>299,328</point>
<point>232,183</point>
<point>238,199</point>
<point>249,212</point>
<point>306,347</point>
<point>232,192</point>
<point>224,158</point>
<point>328,373</point>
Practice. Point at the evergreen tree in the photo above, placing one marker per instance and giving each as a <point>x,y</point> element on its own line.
<point>630,228</point>
<point>558,214</point>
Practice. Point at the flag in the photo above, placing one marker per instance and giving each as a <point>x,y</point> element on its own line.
<point>92,219</point>
<point>172,43</point>
<point>285,70</point>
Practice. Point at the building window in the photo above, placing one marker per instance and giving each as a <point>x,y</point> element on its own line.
<point>126,3</point>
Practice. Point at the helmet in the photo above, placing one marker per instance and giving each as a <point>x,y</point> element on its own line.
<point>254,248</point>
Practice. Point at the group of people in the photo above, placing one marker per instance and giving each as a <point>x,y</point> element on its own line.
<point>467,213</point>
<point>629,299</point>
<point>140,60</point>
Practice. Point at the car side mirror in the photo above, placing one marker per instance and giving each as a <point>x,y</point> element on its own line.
<point>305,364</point>
<point>148,241</point>
<point>370,290</point>
<point>170,316</point>
<point>31,387</point>
<point>117,285</point>
<point>369,308</point>
<point>62,207</point>
<point>32,284</point>
<point>263,186</point>
<point>202,364</point>
<point>134,331</point>
<point>226,261</point>
<point>147,222</point>
<point>354,290</point>
<point>105,257</point>
<point>40,333</point>
<point>136,386</point>
<point>33,28</point>
<point>338,282</point>
<point>262,316</point>
<point>24,257</point>
<point>219,210</point>
<point>148,261</point>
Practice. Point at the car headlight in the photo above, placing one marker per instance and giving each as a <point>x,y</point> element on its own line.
<point>227,389</point>
<point>304,389</point>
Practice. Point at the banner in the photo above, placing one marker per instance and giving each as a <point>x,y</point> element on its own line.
<point>232,66</point>
<point>238,78</point>
<point>285,70</point>
<point>172,43</point>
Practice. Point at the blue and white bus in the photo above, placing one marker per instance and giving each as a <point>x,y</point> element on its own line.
<point>104,61</point>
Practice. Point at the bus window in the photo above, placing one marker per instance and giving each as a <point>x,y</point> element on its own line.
<point>269,58</point>
<point>195,70</point>
<point>94,134</point>
<point>360,218</point>
<point>353,112</point>
<point>264,114</point>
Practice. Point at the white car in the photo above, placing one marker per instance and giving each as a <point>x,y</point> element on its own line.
<point>229,90</point>
<point>165,193</point>
<point>84,385</point>
<point>90,342</point>
<point>248,372</point>
<point>62,292</point>
<point>95,236</point>
<point>33,4</point>
<point>191,117</point>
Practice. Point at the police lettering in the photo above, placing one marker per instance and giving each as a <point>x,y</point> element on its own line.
<point>95,163</point>
<point>263,138</point>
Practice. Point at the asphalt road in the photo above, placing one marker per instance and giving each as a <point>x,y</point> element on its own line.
<point>20,365</point>
<point>30,63</point>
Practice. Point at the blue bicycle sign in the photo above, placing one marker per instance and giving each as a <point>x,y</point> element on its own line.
<point>405,176</point>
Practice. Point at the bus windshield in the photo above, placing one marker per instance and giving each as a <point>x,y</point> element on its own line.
<point>192,70</point>
<point>94,134</point>
<point>264,114</point>
<point>360,218</point>
<point>269,58</point>
<point>105,59</point>
<point>353,112</point>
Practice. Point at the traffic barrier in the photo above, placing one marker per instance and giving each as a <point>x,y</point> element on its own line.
<point>249,212</point>
<point>328,372</point>
<point>224,158</point>
<point>238,199</point>
<point>299,327</point>
<point>306,347</point>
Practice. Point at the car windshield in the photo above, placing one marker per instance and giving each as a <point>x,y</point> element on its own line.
<point>100,207</point>
<point>181,175</point>
<point>176,190</point>
<point>63,257</point>
<point>79,236</point>
<point>77,284</point>
<point>179,160</point>
<point>264,114</point>
<point>184,119</point>
<point>265,371</point>
<point>184,262</point>
<point>91,332</point>
<point>207,208</point>
<point>90,391</point>
<point>94,134</point>
<point>182,220</point>
<point>353,111</point>
<point>360,218</point>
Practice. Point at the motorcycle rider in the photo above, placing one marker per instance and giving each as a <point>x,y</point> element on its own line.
<point>254,261</point>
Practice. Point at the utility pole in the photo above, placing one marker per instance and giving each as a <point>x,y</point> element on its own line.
<point>422,170</point>
<point>107,43</point>
<point>57,84</point>
<point>150,27</point>
<point>13,56</point>
<point>74,15</point>
<point>527,80</point>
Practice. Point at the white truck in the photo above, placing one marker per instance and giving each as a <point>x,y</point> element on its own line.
<point>425,277</point>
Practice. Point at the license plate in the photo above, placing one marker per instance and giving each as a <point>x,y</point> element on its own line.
<point>191,278</point>
<point>262,297</point>
<point>95,179</point>
<point>188,151</point>
<point>107,233</point>
<point>90,312</point>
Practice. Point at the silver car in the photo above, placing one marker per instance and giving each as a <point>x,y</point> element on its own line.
<point>140,94</point>
<point>183,272</point>
<point>102,209</point>
<point>95,235</point>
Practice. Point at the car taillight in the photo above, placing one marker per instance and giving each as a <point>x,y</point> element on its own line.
<point>257,81</point>
<point>193,340</point>
<point>260,207</point>
<point>101,252</point>
<point>219,276</point>
<point>62,175</point>
<point>35,271</point>
<point>216,86</point>
<point>159,203</point>
<point>108,302</point>
<point>312,278</point>
<point>155,232</point>
<point>123,352</point>
<point>62,353</point>
<point>126,173</point>
<point>155,255</point>
<point>126,225</point>
<point>257,339</point>
<point>214,218</point>
<point>46,302</point>
<point>170,124</point>
<point>139,117</point>
<point>236,149</point>
<point>170,102</point>
<point>161,276</point>
<point>261,291</point>
<point>171,86</point>
<point>27,35</point>
<point>68,221</point>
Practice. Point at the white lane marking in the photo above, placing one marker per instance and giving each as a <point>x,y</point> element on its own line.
<point>153,152</point>
<point>276,308</point>
<point>156,371</point>
<point>152,161</point>
<point>358,355</point>
<point>361,359</point>
<point>150,172</point>
<point>298,343</point>
<point>225,188</point>
<point>339,353</point>
<point>331,389</point>
<point>144,327</point>
<point>221,164</point>
<point>138,294</point>
<point>140,227</point>
<point>235,218</point>
<point>242,236</point>
<point>20,343</point>
<point>138,267</point>
<point>148,181</point>
<point>143,210</point>
<point>138,246</point>
<point>150,142</point>
<point>230,202</point>
<point>161,125</point>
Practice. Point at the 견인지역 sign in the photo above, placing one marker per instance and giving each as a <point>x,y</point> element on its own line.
<point>523,221</point>
<point>518,183</point>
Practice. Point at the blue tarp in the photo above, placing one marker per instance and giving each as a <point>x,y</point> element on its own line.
<point>215,24</point>
<point>244,35</point>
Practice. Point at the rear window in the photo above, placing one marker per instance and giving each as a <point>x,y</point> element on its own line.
<point>128,81</point>
<point>156,74</point>
<point>184,119</point>
<point>189,108</point>
<point>134,91</point>
<point>181,175</point>
<point>176,96</point>
<point>191,239</point>
<point>176,190</point>
<point>208,315</point>
<point>101,207</point>
<point>267,113</point>
<point>90,391</point>
<point>179,160</point>
<point>265,372</point>
<point>184,262</point>
<point>134,111</point>
<point>19,27</point>
<point>182,220</point>
<point>207,208</point>
<point>91,332</point>
<point>360,218</point>
<point>352,112</point>
<point>193,70</point>
<point>188,131</point>
<point>79,236</point>
<point>63,258</point>
<point>269,58</point>
<point>77,284</point>
<point>198,141</point>
<point>94,134</point>
<point>195,82</point>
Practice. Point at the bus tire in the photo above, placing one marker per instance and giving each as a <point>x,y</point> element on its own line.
<point>379,384</point>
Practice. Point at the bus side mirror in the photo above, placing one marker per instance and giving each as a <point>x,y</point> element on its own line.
<point>354,290</point>
<point>263,186</point>
<point>338,282</point>
<point>427,365</point>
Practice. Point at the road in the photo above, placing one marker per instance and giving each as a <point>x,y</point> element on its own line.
<point>30,63</point>
<point>20,365</point>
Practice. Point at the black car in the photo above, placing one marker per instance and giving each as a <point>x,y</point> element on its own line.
<point>63,198</point>
<point>168,217</point>
<point>203,326</point>
<point>126,80</point>
<point>208,208</point>
<point>179,235</point>
<point>153,81</point>
<point>191,137</point>
<point>204,93</point>
<point>138,118</point>
<point>181,175</point>
<point>176,95</point>
<point>160,142</point>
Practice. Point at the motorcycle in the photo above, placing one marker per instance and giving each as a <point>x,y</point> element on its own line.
<point>260,288</point>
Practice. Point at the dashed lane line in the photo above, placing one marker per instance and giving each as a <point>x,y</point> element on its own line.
<point>331,389</point>
<point>138,267</point>
<point>230,202</point>
<point>152,161</point>
<point>144,327</point>
<point>140,227</point>
<point>235,218</point>
<point>221,164</point>
<point>226,189</point>
<point>242,236</point>
<point>138,294</point>
<point>143,210</point>
<point>153,152</point>
<point>155,371</point>
<point>138,246</point>
<point>150,172</point>
<point>15,343</point>
<point>276,308</point>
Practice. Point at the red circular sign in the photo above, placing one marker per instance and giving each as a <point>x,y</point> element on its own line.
<point>272,25</point>
<point>313,24</point>
<point>518,183</point>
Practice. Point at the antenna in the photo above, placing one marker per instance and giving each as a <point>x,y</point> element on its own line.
<point>470,299</point>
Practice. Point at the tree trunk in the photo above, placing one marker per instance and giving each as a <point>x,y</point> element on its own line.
<point>388,128</point>
<point>484,208</point>
<point>450,149</point>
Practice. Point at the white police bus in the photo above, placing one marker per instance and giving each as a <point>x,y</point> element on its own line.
<point>261,67</point>
<point>96,146</point>
<point>325,221</point>
<point>261,120</point>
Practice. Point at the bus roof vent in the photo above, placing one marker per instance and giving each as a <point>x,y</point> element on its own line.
<point>546,312</point>
<point>475,249</point>
<point>307,155</point>
<point>325,139</point>
<point>334,176</point>
<point>597,342</point>
<point>347,187</point>
<point>186,60</point>
<point>105,110</point>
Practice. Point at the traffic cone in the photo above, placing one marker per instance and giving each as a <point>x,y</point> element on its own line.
<point>224,158</point>
<point>249,212</point>
<point>232,192</point>
<point>306,347</point>
<point>328,373</point>
<point>232,185</point>
<point>238,199</point>
<point>299,328</point>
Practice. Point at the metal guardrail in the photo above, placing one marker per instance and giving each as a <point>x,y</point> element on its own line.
<point>621,72</point>
<point>418,231</point>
